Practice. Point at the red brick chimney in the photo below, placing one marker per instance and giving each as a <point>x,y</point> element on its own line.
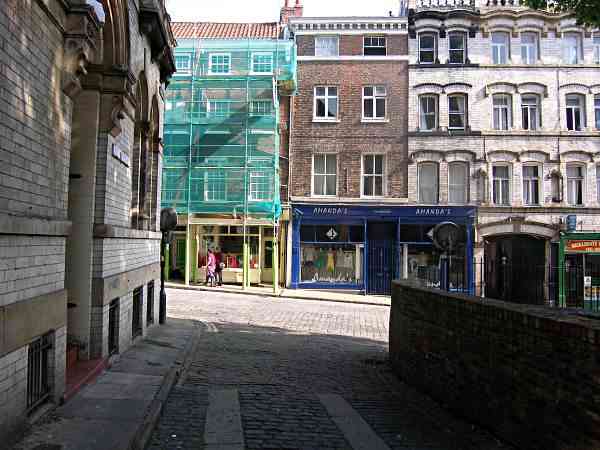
<point>290,11</point>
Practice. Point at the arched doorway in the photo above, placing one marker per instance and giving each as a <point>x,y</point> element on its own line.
<point>515,268</point>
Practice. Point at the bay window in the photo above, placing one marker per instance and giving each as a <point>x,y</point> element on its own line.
<point>500,47</point>
<point>457,48</point>
<point>427,48</point>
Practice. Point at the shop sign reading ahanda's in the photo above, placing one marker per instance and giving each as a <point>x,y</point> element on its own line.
<point>581,245</point>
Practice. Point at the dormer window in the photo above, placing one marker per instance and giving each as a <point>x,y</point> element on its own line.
<point>374,46</point>
<point>457,48</point>
<point>427,48</point>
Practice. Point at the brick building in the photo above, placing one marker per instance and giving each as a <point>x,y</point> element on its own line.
<point>504,114</point>
<point>349,152</point>
<point>81,103</point>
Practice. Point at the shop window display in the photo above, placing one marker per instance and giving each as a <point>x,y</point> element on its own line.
<point>331,254</point>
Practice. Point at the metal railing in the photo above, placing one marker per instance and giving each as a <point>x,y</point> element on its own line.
<point>150,304</point>
<point>113,327</point>
<point>565,285</point>
<point>136,317</point>
<point>445,4</point>
<point>38,371</point>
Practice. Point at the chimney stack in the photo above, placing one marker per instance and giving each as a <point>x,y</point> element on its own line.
<point>290,11</point>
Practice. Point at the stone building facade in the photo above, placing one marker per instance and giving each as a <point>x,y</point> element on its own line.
<point>504,114</point>
<point>81,99</point>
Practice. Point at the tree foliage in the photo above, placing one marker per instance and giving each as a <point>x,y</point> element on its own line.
<point>586,11</point>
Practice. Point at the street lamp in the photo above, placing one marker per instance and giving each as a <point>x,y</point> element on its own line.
<point>168,222</point>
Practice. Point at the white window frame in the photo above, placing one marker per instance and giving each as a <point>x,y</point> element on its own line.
<point>325,175</point>
<point>434,49</point>
<point>498,116</point>
<point>319,48</point>
<point>463,37</point>
<point>596,46</point>
<point>503,193</point>
<point>597,111</point>
<point>498,47</point>
<point>598,183</point>
<point>530,51</point>
<point>422,114</point>
<point>373,99</point>
<point>256,110</point>
<point>465,184</point>
<point>526,124</point>
<point>437,168</point>
<point>206,186</point>
<point>529,182</point>
<point>571,110</point>
<point>188,70</point>
<point>465,111</point>
<point>376,36</point>
<point>567,51</point>
<point>373,175</point>
<point>211,108</point>
<point>211,64</point>
<point>326,97</point>
<point>261,174</point>
<point>572,180</point>
<point>253,71</point>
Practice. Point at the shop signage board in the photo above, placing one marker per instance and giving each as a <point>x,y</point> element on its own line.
<point>582,246</point>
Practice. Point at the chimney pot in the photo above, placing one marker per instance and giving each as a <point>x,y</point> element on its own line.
<point>297,2</point>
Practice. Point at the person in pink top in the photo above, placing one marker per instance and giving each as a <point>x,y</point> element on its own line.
<point>211,265</point>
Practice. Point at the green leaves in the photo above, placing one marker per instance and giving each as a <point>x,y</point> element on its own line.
<point>587,11</point>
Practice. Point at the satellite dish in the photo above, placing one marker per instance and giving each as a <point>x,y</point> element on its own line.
<point>446,236</point>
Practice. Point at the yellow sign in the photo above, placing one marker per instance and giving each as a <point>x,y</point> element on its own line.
<point>583,246</point>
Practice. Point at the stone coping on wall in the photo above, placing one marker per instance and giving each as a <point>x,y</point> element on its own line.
<point>575,316</point>
<point>107,231</point>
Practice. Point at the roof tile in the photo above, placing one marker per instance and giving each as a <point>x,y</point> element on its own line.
<point>216,30</point>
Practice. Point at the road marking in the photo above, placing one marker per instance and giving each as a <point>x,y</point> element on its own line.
<point>211,327</point>
<point>223,428</point>
<point>357,432</point>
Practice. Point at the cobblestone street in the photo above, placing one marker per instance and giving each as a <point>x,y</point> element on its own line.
<point>294,374</point>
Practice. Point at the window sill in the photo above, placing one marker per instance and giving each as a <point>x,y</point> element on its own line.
<point>211,74</point>
<point>363,120</point>
<point>318,120</point>
<point>270,74</point>
<point>323,196</point>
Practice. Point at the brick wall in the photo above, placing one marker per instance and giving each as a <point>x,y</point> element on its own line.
<point>350,137</point>
<point>30,266</point>
<point>352,44</point>
<point>114,256</point>
<point>527,373</point>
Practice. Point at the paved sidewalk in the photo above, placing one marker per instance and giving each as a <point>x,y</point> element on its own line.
<point>303,294</point>
<point>118,410</point>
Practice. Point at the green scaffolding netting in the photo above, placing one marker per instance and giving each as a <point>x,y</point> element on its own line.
<point>221,135</point>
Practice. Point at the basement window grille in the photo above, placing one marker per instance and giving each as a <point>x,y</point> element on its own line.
<point>113,327</point>
<point>38,371</point>
<point>136,318</point>
<point>150,304</point>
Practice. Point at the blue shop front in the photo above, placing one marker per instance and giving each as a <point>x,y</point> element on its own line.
<point>366,247</point>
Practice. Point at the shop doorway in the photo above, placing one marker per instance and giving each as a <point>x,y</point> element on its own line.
<point>381,262</point>
<point>515,269</point>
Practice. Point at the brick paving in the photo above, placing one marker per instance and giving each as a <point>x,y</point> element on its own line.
<point>280,354</point>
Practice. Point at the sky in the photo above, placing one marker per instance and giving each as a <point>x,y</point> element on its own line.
<point>268,10</point>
